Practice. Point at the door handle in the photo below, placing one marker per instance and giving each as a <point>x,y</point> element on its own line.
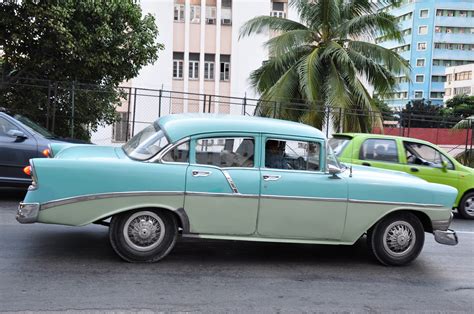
<point>413,169</point>
<point>267,177</point>
<point>199,173</point>
<point>366,164</point>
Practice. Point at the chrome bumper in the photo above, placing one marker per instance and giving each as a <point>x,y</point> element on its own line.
<point>447,237</point>
<point>27,213</point>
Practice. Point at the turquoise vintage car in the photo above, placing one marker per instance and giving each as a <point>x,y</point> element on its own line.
<point>234,178</point>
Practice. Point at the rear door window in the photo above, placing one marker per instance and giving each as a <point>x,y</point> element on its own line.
<point>338,144</point>
<point>379,150</point>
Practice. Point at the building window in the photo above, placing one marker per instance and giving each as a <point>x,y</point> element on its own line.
<point>226,12</point>
<point>462,90</point>
<point>210,15</point>
<point>423,30</point>
<point>424,13</point>
<point>120,128</point>
<point>193,70</point>
<point>178,62</point>
<point>195,14</point>
<point>420,62</point>
<point>438,78</point>
<point>437,95</point>
<point>225,71</point>
<point>420,78</point>
<point>418,94</point>
<point>421,46</point>
<point>209,70</point>
<point>462,76</point>
<point>179,12</point>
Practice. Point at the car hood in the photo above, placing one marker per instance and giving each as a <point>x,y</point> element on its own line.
<point>91,152</point>
<point>375,184</point>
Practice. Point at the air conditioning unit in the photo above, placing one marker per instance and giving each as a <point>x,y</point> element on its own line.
<point>210,21</point>
<point>226,21</point>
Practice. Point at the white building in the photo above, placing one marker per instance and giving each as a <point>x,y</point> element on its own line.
<point>203,55</point>
<point>459,81</point>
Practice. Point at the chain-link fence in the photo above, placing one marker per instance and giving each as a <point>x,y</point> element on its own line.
<point>65,107</point>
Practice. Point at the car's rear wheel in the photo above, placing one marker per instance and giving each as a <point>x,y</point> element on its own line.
<point>396,239</point>
<point>466,206</point>
<point>143,235</point>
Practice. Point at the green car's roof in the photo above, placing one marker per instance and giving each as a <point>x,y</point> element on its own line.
<point>369,135</point>
<point>182,125</point>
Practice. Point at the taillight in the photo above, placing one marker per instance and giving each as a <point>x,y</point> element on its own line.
<point>46,153</point>
<point>27,170</point>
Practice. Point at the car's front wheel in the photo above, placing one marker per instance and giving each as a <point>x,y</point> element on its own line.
<point>466,206</point>
<point>396,239</point>
<point>143,235</point>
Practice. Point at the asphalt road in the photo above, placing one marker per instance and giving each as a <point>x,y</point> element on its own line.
<point>57,268</point>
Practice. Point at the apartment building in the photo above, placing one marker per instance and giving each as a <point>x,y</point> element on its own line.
<point>203,54</point>
<point>459,81</point>
<point>437,34</point>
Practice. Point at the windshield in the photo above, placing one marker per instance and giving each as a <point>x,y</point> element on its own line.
<point>338,143</point>
<point>147,143</point>
<point>33,126</point>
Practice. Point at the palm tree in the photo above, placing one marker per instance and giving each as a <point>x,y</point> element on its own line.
<point>320,63</point>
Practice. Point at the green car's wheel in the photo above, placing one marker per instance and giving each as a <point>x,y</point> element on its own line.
<point>466,206</point>
<point>143,235</point>
<point>396,239</point>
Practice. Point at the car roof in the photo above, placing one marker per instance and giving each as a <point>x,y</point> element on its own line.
<point>369,135</point>
<point>178,126</point>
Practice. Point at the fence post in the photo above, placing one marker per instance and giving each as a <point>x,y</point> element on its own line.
<point>245,104</point>
<point>159,103</point>
<point>73,90</point>
<point>48,105</point>
<point>127,127</point>
<point>54,107</point>
<point>409,123</point>
<point>204,104</point>
<point>134,111</point>
<point>327,111</point>
<point>210,103</point>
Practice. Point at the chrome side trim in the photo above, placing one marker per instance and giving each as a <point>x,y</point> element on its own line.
<point>222,194</point>
<point>230,181</point>
<point>309,198</point>
<point>92,197</point>
<point>393,203</point>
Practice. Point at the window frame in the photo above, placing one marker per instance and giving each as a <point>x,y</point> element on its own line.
<point>423,26</point>
<point>427,14</point>
<point>180,64</point>
<point>192,151</point>
<point>193,69</point>
<point>223,78</point>
<point>420,75</point>
<point>207,67</point>
<point>418,46</point>
<point>378,160</point>
<point>322,153</point>
<point>418,91</point>
<point>420,66</point>
<point>180,8</point>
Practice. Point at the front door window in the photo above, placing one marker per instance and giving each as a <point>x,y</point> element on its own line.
<point>289,154</point>
<point>424,155</point>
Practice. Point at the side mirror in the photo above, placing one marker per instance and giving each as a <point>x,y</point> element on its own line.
<point>17,134</point>
<point>334,171</point>
<point>444,165</point>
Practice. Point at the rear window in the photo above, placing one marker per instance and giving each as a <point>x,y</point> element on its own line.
<point>338,144</point>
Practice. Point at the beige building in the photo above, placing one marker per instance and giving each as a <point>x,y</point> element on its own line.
<point>203,55</point>
<point>459,81</point>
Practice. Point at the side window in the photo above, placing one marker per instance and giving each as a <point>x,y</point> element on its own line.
<point>226,152</point>
<point>6,126</point>
<point>288,154</point>
<point>178,154</point>
<point>424,155</point>
<point>379,149</point>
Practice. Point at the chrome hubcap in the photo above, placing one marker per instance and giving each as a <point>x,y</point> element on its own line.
<point>469,206</point>
<point>144,231</point>
<point>399,238</point>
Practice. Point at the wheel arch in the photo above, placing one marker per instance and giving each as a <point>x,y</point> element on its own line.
<point>462,196</point>
<point>423,217</point>
<point>179,214</point>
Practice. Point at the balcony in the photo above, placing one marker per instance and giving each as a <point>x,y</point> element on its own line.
<point>453,54</point>
<point>453,21</point>
<point>464,38</point>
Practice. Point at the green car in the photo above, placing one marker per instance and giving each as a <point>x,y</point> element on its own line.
<point>413,156</point>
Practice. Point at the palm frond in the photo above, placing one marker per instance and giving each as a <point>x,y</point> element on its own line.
<point>261,24</point>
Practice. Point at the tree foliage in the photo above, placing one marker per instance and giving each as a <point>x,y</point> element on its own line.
<point>320,62</point>
<point>86,48</point>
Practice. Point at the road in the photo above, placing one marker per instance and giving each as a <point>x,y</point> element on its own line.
<point>58,268</point>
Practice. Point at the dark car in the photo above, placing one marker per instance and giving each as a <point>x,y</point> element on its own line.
<point>20,140</point>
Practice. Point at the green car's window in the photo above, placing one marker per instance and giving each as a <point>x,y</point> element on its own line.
<point>178,154</point>
<point>297,155</point>
<point>226,152</point>
<point>379,149</point>
<point>338,143</point>
<point>147,143</point>
<point>424,155</point>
